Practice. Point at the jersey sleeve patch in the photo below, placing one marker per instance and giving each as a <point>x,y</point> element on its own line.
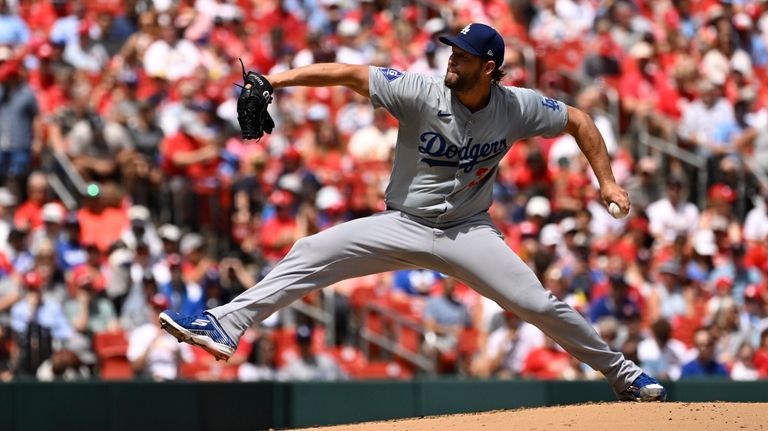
<point>550,103</point>
<point>390,74</point>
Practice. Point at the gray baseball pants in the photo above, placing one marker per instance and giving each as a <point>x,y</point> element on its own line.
<point>473,252</point>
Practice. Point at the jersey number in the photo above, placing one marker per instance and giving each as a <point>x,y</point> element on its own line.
<point>479,175</point>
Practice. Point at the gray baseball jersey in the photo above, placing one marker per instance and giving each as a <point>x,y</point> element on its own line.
<point>445,163</point>
<point>447,157</point>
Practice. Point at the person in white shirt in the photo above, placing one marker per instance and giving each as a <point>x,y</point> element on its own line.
<point>374,142</point>
<point>756,223</point>
<point>672,215</point>
<point>661,355</point>
<point>7,202</point>
<point>171,57</point>
<point>507,348</point>
<point>154,353</point>
<point>743,368</point>
<point>701,118</point>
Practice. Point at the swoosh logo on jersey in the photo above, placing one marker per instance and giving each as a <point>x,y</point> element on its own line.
<point>441,153</point>
<point>440,113</point>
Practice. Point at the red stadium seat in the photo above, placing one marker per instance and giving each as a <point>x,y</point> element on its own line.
<point>194,370</point>
<point>285,344</point>
<point>115,368</point>
<point>111,348</point>
<point>110,344</point>
<point>468,342</point>
<point>361,296</point>
<point>381,370</point>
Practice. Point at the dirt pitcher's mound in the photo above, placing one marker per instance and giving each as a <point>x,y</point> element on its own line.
<point>713,416</point>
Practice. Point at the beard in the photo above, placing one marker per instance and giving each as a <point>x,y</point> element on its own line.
<point>458,82</point>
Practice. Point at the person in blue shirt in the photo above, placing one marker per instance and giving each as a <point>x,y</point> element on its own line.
<point>705,364</point>
<point>737,270</point>
<point>445,317</point>
<point>182,296</point>
<point>13,29</point>
<point>617,303</point>
<point>19,120</point>
<point>415,282</point>
<point>70,252</point>
<point>40,327</point>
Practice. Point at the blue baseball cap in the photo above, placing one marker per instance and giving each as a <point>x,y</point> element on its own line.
<point>480,40</point>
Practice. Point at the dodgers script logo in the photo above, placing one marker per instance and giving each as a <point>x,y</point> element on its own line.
<point>390,74</point>
<point>434,145</point>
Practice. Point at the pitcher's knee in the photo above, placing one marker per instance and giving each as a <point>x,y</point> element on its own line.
<point>534,308</point>
<point>315,247</point>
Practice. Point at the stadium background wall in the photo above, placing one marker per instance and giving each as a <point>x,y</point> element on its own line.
<point>195,406</point>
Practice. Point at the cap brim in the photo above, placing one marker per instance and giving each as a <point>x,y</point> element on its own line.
<point>456,41</point>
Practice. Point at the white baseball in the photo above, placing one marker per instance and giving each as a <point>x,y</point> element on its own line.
<point>615,210</point>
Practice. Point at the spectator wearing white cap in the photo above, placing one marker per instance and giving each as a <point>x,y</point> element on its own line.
<point>567,252</point>
<point>332,206</point>
<point>53,215</point>
<point>170,235</point>
<point>551,239</point>
<point>141,230</point>
<point>350,49</point>
<point>538,210</point>
<point>193,251</point>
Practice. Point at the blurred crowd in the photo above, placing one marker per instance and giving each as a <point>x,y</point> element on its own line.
<point>136,98</point>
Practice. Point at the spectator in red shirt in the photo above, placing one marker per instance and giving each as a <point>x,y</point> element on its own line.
<point>761,355</point>
<point>548,362</point>
<point>191,158</point>
<point>39,15</point>
<point>193,151</point>
<point>196,263</point>
<point>29,215</point>
<point>279,232</point>
<point>51,79</point>
<point>644,87</point>
<point>102,221</point>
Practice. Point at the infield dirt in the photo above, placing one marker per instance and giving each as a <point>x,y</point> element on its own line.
<point>709,416</point>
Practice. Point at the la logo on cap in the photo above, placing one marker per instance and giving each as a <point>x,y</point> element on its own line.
<point>466,29</point>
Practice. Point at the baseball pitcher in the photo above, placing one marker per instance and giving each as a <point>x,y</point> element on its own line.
<point>452,135</point>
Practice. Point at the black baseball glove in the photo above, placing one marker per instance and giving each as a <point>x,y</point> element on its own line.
<point>255,95</point>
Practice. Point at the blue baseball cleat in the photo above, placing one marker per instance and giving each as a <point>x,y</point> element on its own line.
<point>644,388</point>
<point>201,330</point>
